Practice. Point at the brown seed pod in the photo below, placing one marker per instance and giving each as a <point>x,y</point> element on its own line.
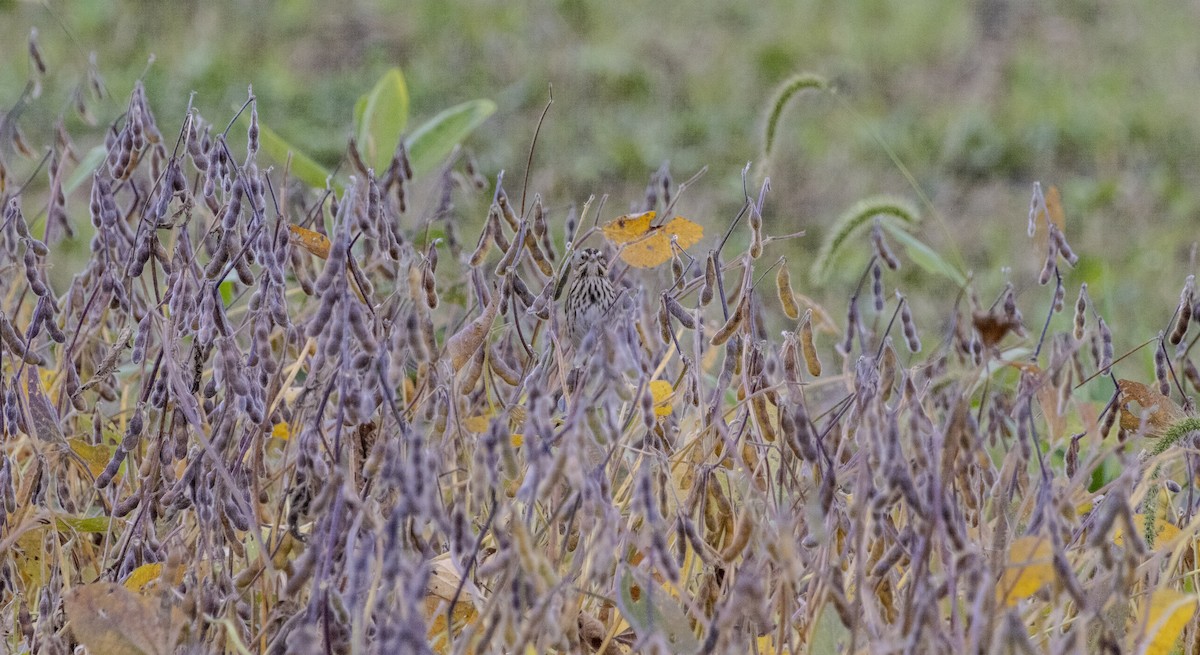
<point>1081,312</point>
<point>486,239</point>
<point>887,370</point>
<point>741,537</point>
<point>1160,367</point>
<point>682,315</point>
<point>882,250</point>
<point>1106,347</point>
<point>1051,260</point>
<point>739,315</point>
<point>502,369</point>
<point>807,347</point>
<point>847,345</point>
<point>783,287</point>
<point>1184,313</point>
<point>790,356</point>
<point>908,325</point>
<point>1191,373</point>
<point>506,209</point>
<point>710,279</point>
<point>756,238</point>
<point>664,321</point>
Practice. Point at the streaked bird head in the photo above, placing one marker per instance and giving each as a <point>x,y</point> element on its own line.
<point>591,261</point>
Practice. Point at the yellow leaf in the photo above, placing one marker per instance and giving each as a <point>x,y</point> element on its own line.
<point>315,243</point>
<point>661,390</point>
<point>1054,206</point>
<point>108,618</point>
<point>142,576</point>
<point>1164,531</point>
<point>477,424</point>
<point>30,558</point>
<point>624,229</point>
<point>281,431</point>
<point>646,246</point>
<point>1165,617</point>
<point>445,586</point>
<point>1030,565</point>
<point>96,456</point>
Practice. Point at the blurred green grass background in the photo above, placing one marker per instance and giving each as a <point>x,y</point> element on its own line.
<point>977,100</point>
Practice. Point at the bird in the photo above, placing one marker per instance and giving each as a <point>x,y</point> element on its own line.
<point>591,294</point>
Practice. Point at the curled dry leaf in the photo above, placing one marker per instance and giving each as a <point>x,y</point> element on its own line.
<point>108,618</point>
<point>993,326</point>
<point>1165,616</point>
<point>1030,565</point>
<point>1163,412</point>
<point>445,587</point>
<point>646,246</point>
<point>661,391</point>
<point>315,243</point>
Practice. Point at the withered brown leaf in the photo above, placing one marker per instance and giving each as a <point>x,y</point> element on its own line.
<point>1164,412</point>
<point>993,326</point>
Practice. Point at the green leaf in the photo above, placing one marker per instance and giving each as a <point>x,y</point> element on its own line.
<point>303,166</point>
<point>429,144</point>
<point>381,119</point>
<point>88,165</point>
<point>92,524</point>
<point>656,612</point>
<point>829,635</point>
<point>924,256</point>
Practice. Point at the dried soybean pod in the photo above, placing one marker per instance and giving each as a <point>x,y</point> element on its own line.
<point>1080,312</point>
<point>887,370</point>
<point>486,240</point>
<point>783,287</point>
<point>1184,313</point>
<point>677,310</point>
<point>739,314</point>
<point>807,347</point>
<point>710,279</point>
<point>664,321</point>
